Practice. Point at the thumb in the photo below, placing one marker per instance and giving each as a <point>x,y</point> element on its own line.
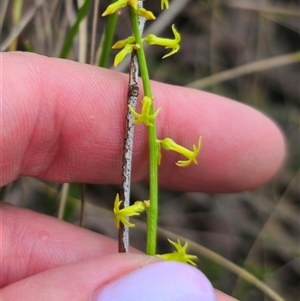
<point>160,281</point>
<point>114,277</point>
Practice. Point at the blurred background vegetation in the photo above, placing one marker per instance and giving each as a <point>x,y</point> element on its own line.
<point>242,49</point>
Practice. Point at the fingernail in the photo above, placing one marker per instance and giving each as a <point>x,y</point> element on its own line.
<point>161,281</point>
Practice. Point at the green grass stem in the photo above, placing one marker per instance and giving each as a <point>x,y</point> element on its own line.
<point>108,38</point>
<point>74,29</point>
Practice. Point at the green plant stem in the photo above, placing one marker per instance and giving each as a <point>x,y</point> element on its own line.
<point>153,166</point>
<point>17,11</point>
<point>16,15</point>
<point>74,29</point>
<point>108,38</point>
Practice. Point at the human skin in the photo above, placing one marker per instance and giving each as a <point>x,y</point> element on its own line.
<point>63,121</point>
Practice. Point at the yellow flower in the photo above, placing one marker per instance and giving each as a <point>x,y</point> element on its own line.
<point>112,8</point>
<point>145,115</point>
<point>147,14</point>
<point>121,215</point>
<point>173,44</point>
<point>169,144</point>
<point>164,3</point>
<point>133,4</point>
<point>125,51</point>
<point>179,254</point>
<point>122,43</point>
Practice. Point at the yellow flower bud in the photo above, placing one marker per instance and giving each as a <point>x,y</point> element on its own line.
<point>121,54</point>
<point>133,4</point>
<point>112,8</point>
<point>147,14</point>
<point>164,3</point>
<point>122,43</point>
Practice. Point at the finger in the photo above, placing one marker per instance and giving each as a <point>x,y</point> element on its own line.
<point>223,297</point>
<point>63,121</point>
<point>35,242</point>
<point>115,277</point>
<point>32,248</point>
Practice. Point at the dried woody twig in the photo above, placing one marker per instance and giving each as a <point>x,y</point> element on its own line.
<point>133,93</point>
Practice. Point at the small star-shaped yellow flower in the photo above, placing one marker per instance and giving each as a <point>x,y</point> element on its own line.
<point>145,116</point>
<point>179,254</point>
<point>173,44</point>
<point>168,144</point>
<point>121,215</point>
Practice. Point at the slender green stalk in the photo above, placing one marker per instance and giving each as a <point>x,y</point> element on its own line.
<point>108,37</point>
<point>73,32</point>
<point>82,36</point>
<point>94,29</point>
<point>63,200</point>
<point>153,156</point>
<point>17,11</point>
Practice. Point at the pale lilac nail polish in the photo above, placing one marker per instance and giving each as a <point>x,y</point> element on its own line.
<point>161,281</point>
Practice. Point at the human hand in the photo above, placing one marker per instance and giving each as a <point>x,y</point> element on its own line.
<point>63,121</point>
